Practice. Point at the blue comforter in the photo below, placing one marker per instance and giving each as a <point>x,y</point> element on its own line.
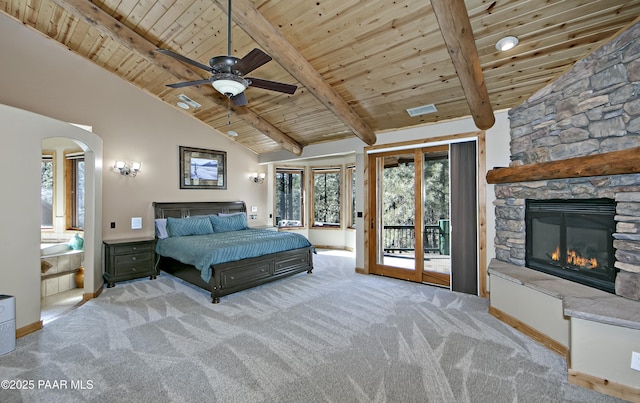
<point>202,251</point>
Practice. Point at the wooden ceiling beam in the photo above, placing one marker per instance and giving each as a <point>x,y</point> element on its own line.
<point>137,44</point>
<point>456,30</point>
<point>264,34</point>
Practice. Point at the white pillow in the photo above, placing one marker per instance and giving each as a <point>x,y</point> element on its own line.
<point>161,228</point>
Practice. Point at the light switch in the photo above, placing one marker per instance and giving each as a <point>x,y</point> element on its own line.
<point>254,209</point>
<point>136,222</point>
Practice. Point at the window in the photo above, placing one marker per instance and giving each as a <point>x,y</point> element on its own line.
<point>351,196</point>
<point>74,169</point>
<point>289,197</point>
<point>46,192</point>
<point>326,197</point>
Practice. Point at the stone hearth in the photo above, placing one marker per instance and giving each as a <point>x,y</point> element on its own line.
<point>592,109</point>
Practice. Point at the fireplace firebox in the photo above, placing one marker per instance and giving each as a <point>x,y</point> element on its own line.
<point>572,239</point>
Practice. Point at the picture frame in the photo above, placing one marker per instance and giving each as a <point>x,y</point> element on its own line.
<point>202,169</point>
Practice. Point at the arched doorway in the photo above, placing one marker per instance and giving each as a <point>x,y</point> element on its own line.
<point>23,132</point>
<point>62,225</point>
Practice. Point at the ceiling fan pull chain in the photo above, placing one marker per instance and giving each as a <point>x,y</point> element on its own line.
<point>229,111</point>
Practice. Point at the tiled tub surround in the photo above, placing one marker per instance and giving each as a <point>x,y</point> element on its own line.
<point>60,263</point>
<point>590,110</point>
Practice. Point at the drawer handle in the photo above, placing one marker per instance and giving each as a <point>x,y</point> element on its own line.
<point>232,278</point>
<point>262,270</point>
<point>133,258</point>
<point>134,248</point>
<point>133,269</point>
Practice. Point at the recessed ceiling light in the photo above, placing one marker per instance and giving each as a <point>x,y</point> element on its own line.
<point>506,43</point>
<point>232,133</point>
<point>183,105</point>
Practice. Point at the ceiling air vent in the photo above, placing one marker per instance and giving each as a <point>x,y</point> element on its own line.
<point>422,110</point>
<point>189,101</point>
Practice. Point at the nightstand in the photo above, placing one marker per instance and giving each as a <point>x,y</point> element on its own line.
<point>126,259</point>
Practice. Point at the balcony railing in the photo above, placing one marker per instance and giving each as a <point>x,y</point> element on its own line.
<point>401,238</point>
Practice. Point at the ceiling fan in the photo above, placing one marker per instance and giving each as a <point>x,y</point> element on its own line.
<point>227,72</point>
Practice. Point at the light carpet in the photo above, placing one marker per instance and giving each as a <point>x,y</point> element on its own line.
<point>330,336</point>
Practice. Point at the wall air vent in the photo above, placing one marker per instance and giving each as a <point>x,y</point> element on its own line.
<point>422,110</point>
<point>189,101</point>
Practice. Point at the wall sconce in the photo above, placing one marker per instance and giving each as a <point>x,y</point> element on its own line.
<point>127,168</point>
<point>257,177</point>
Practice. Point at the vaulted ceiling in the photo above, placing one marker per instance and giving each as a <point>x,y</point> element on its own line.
<point>358,64</point>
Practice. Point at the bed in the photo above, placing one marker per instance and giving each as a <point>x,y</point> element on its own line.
<point>224,270</point>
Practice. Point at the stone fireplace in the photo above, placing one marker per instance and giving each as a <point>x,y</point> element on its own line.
<point>576,143</point>
<point>592,109</point>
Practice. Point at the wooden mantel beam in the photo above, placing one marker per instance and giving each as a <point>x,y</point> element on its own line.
<point>456,29</point>
<point>260,30</point>
<point>612,163</point>
<point>137,44</point>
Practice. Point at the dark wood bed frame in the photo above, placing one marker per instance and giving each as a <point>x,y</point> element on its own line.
<point>234,276</point>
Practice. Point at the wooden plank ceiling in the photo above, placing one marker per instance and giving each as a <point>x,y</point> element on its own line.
<point>358,64</point>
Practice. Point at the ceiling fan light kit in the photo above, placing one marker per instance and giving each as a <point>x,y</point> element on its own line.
<point>227,71</point>
<point>229,84</point>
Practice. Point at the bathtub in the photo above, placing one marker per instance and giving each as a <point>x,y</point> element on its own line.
<point>54,249</point>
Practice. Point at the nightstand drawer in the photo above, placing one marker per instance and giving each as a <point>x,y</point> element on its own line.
<point>133,259</point>
<point>126,269</point>
<point>132,248</point>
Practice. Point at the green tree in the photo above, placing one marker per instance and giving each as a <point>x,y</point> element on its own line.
<point>326,198</point>
<point>399,192</point>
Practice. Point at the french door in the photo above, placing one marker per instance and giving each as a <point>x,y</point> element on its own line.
<point>409,214</point>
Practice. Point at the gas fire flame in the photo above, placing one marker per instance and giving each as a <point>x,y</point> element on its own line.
<point>574,259</point>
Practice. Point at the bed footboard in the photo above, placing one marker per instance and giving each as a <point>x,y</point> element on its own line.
<point>243,274</point>
<point>240,275</point>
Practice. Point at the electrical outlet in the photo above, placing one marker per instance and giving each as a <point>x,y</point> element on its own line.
<point>635,361</point>
<point>113,224</point>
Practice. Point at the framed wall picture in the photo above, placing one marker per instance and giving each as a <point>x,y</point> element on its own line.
<point>202,169</point>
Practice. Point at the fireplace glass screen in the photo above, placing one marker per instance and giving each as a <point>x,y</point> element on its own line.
<point>572,239</point>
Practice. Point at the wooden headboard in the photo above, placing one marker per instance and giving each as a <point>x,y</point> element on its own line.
<point>189,209</point>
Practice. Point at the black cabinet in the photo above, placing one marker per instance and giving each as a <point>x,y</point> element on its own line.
<point>128,259</point>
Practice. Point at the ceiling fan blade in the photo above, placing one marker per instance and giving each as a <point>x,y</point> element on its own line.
<point>188,83</point>
<point>272,85</point>
<point>240,99</point>
<point>252,61</point>
<point>184,59</point>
